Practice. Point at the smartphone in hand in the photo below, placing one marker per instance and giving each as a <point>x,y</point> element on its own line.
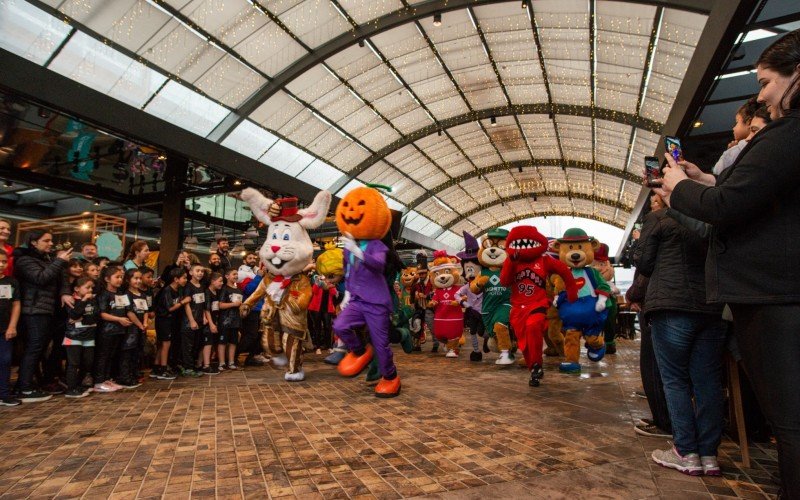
<point>673,147</point>
<point>652,171</point>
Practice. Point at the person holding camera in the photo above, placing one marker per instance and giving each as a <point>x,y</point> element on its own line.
<point>754,209</point>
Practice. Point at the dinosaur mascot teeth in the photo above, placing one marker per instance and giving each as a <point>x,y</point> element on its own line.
<point>286,254</point>
<point>586,316</point>
<point>525,272</point>
<point>496,305</point>
<point>472,301</point>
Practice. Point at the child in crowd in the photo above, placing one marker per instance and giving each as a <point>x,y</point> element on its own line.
<point>131,342</point>
<point>9,316</point>
<point>79,339</point>
<point>148,292</point>
<point>751,117</point>
<point>168,306</point>
<point>92,271</point>
<point>102,263</point>
<point>229,321</point>
<point>114,306</point>
<point>210,335</point>
<point>193,320</point>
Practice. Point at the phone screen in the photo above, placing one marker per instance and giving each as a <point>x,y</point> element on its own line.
<point>673,146</point>
<point>652,170</point>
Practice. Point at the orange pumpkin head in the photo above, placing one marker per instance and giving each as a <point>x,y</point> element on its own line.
<point>364,214</point>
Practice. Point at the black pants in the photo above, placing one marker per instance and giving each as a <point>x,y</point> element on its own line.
<point>474,322</point>
<point>769,341</point>
<point>250,341</point>
<point>79,364</point>
<point>129,366</point>
<point>651,380</point>
<point>37,331</point>
<point>321,333</point>
<point>54,363</point>
<point>188,343</point>
<point>106,352</point>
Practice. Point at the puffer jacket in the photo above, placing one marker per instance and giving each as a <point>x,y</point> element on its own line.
<point>41,280</point>
<point>673,257</point>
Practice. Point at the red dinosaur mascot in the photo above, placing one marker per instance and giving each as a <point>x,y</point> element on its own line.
<point>525,273</point>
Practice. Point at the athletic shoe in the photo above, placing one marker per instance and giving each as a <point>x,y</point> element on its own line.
<point>166,375</point>
<point>689,464</point>
<point>537,373</point>
<point>232,367</point>
<point>191,373</point>
<point>640,394</point>
<point>710,466</point>
<point>113,384</point>
<point>210,370</point>
<point>651,430</point>
<point>104,387</point>
<point>34,396</point>
<point>451,353</point>
<point>9,401</point>
<point>222,367</point>
<point>261,358</point>
<point>156,371</point>
<point>76,393</point>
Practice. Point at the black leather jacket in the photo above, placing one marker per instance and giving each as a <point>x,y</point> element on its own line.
<point>41,279</point>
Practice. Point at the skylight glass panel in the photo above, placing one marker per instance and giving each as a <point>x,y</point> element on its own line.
<point>102,68</point>
<point>452,240</point>
<point>186,109</point>
<point>287,158</point>
<point>320,174</point>
<point>250,140</point>
<point>29,32</point>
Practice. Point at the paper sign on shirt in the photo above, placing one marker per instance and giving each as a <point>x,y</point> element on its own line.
<point>6,291</point>
<point>80,324</point>
<point>215,305</point>
<point>199,298</point>
<point>140,304</point>
<point>236,297</point>
<point>121,301</point>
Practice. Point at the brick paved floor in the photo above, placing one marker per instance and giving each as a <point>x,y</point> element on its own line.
<point>458,430</point>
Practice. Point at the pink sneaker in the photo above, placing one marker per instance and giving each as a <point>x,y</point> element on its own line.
<point>104,387</point>
<point>114,385</point>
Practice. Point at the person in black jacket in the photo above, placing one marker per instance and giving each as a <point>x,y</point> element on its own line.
<point>754,208</point>
<point>688,340</point>
<point>40,279</point>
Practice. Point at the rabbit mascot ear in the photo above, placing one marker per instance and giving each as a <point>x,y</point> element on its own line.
<point>259,204</point>
<point>314,216</point>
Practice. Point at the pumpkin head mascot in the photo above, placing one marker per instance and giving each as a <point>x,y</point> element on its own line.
<point>286,254</point>
<point>471,301</point>
<point>363,218</point>
<point>525,272</point>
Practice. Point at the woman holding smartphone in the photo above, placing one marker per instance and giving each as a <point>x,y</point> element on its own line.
<point>752,264</point>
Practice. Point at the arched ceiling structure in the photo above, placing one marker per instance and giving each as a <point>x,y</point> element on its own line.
<point>528,107</point>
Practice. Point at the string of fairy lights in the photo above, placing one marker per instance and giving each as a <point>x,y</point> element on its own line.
<point>621,49</point>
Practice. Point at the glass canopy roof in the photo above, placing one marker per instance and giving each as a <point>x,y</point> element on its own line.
<point>502,111</point>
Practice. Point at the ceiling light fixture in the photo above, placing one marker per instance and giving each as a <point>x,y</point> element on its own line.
<point>96,203</point>
<point>437,19</point>
<point>237,182</point>
<point>697,124</point>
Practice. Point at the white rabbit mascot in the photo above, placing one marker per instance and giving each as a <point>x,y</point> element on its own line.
<point>286,289</point>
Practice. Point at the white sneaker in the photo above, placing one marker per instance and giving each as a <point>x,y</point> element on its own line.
<point>232,366</point>
<point>710,466</point>
<point>104,387</point>
<point>451,354</point>
<point>505,359</point>
<point>295,377</point>
<point>113,385</point>
<point>261,358</point>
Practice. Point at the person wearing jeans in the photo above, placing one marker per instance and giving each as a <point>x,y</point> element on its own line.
<point>688,339</point>
<point>40,278</point>
<point>689,348</point>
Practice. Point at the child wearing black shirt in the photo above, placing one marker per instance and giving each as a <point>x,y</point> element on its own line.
<point>132,340</point>
<point>168,307</point>
<point>229,321</point>
<point>79,337</point>
<point>9,316</point>
<point>114,306</point>
<point>193,321</point>
<point>210,334</point>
